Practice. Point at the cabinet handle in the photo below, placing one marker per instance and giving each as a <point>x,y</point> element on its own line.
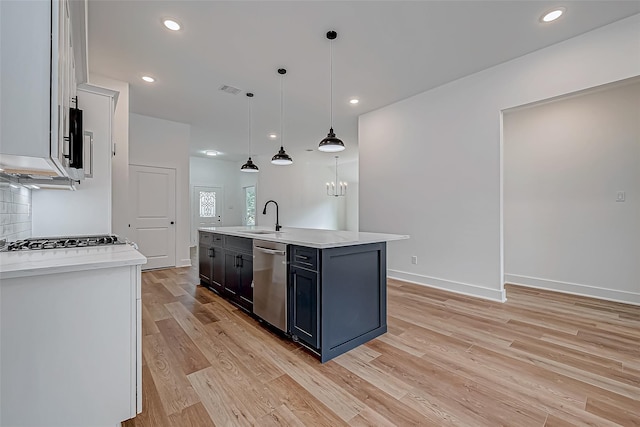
<point>212,253</point>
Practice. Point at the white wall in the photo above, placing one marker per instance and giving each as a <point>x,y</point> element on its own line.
<point>301,193</point>
<point>88,209</point>
<point>119,162</point>
<point>162,143</point>
<point>218,173</point>
<point>430,166</point>
<point>564,162</point>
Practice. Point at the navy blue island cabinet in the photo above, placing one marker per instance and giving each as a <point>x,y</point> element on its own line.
<point>337,297</point>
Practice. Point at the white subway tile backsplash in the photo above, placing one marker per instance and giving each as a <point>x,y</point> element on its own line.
<point>15,211</point>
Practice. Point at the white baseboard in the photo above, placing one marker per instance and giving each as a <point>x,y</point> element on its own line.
<point>574,288</point>
<point>184,263</point>
<point>449,285</point>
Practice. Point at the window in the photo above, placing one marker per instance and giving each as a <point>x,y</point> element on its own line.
<point>249,205</point>
<point>207,204</point>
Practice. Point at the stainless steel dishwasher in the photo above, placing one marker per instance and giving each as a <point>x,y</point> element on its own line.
<point>270,282</point>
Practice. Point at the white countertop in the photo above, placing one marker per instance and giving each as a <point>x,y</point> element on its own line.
<point>309,237</point>
<point>49,261</point>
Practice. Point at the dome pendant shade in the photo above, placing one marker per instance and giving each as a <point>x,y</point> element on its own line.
<point>249,166</point>
<point>331,144</point>
<point>281,158</point>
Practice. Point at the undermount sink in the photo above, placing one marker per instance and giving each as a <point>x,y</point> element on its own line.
<point>262,232</point>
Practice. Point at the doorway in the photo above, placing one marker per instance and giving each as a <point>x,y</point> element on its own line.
<point>207,208</point>
<point>571,175</point>
<point>152,197</point>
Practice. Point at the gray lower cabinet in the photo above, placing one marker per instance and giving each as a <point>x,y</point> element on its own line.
<point>238,277</point>
<point>304,309</point>
<point>226,267</point>
<point>337,297</point>
<point>204,258</point>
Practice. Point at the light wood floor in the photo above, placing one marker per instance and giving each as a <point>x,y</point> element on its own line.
<point>540,359</point>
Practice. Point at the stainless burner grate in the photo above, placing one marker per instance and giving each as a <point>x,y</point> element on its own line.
<point>41,243</point>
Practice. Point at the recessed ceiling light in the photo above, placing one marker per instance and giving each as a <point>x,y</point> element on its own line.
<point>552,15</point>
<point>273,136</point>
<point>211,153</point>
<point>354,101</point>
<point>171,24</point>
<point>148,79</point>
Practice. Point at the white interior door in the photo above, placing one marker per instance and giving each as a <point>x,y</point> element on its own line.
<point>153,204</point>
<point>207,208</point>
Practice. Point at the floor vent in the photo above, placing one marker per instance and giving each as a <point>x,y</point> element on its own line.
<point>230,89</point>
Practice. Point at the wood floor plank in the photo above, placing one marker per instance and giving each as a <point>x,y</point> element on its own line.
<point>554,421</point>
<point>379,378</point>
<point>173,388</point>
<point>388,407</point>
<point>157,311</point>
<point>242,347</point>
<point>281,416</point>
<point>193,416</point>
<point>370,418</point>
<point>189,357</point>
<point>540,359</point>
<point>304,405</point>
<point>453,391</point>
<point>223,408</point>
<point>149,326</point>
<point>173,287</point>
<point>345,405</point>
<point>615,413</point>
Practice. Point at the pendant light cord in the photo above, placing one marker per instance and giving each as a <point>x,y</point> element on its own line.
<point>250,127</point>
<point>331,83</point>
<point>281,113</point>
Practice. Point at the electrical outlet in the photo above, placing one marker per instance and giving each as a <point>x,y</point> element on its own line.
<point>620,196</point>
<point>414,259</point>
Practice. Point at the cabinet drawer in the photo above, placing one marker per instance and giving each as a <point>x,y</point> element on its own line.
<point>216,239</point>
<point>241,244</point>
<point>205,238</point>
<point>304,257</point>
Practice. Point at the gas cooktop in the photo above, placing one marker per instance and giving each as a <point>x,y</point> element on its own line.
<point>41,243</point>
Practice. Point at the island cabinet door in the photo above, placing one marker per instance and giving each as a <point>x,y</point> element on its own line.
<point>303,297</point>
<point>217,269</point>
<point>231,282</point>
<point>204,264</point>
<point>245,281</point>
<point>205,254</point>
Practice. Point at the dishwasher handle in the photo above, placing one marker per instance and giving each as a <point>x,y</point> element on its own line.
<point>269,251</point>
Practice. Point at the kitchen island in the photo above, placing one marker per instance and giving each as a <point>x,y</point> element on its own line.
<point>70,336</point>
<point>336,296</point>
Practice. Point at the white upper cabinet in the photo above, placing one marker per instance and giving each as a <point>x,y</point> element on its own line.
<point>39,72</point>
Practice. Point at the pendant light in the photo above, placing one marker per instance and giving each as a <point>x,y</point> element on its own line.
<point>281,158</point>
<point>331,143</point>
<point>337,188</point>
<point>249,166</point>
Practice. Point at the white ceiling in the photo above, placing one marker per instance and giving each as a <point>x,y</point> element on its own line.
<point>385,51</point>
